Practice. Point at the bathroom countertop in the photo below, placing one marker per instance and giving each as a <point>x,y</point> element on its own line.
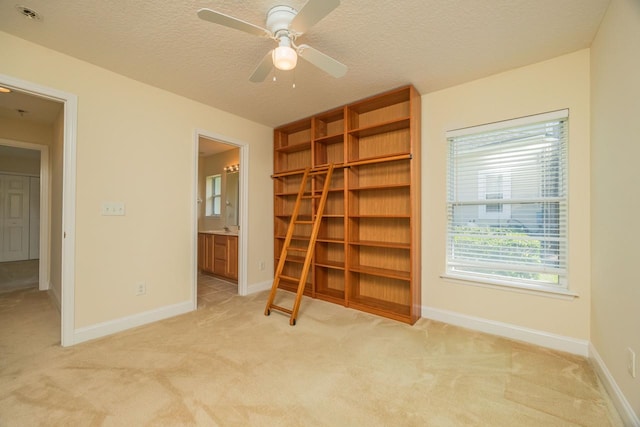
<point>220,232</point>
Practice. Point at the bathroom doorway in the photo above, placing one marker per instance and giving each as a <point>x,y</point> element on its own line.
<point>221,212</point>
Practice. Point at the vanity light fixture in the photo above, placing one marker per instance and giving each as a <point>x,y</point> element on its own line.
<point>4,89</point>
<point>232,168</point>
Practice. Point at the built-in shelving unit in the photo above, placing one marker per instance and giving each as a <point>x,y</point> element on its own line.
<point>367,253</point>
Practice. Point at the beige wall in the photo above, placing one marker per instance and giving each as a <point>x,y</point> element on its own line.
<point>214,165</point>
<point>12,162</point>
<point>615,200</point>
<point>551,85</point>
<point>135,144</point>
<point>25,131</point>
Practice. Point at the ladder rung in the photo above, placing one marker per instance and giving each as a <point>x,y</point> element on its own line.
<point>277,307</point>
<point>295,249</point>
<point>303,222</point>
<point>289,278</point>
<point>312,197</point>
<point>293,258</point>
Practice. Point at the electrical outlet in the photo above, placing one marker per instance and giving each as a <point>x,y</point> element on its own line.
<point>261,265</point>
<point>141,288</point>
<point>631,362</point>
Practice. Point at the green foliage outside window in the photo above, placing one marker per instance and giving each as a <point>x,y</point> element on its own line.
<point>498,245</point>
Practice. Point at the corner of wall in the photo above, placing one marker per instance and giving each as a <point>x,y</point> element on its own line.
<point>619,400</point>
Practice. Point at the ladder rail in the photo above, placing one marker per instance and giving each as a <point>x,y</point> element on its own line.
<point>287,242</point>
<point>312,243</point>
<point>315,222</point>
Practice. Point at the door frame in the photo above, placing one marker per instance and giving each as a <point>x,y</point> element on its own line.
<point>45,213</point>
<point>70,119</point>
<point>243,198</point>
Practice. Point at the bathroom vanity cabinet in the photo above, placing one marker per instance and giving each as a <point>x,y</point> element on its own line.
<point>218,254</point>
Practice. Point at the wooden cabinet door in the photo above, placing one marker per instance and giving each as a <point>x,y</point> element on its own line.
<point>220,255</point>
<point>232,257</point>
<point>205,252</point>
<point>209,261</point>
<point>202,241</point>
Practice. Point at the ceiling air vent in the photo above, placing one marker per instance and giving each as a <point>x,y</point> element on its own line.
<point>29,13</point>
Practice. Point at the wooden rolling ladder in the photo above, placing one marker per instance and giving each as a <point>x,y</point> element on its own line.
<point>287,249</point>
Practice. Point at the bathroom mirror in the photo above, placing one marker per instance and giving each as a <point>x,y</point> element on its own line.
<point>231,194</point>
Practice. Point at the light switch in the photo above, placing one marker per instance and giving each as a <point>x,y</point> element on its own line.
<point>112,209</point>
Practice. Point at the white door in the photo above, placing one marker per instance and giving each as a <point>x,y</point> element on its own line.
<point>14,218</point>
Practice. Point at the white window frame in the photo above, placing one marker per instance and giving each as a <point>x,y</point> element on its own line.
<point>455,268</point>
<point>213,194</point>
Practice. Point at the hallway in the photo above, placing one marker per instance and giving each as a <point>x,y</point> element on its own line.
<point>18,275</point>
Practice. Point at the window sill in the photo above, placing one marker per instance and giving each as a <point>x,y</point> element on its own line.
<point>512,287</point>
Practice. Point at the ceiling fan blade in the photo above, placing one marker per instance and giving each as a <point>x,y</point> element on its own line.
<point>311,13</point>
<point>231,22</point>
<point>263,69</point>
<point>322,61</point>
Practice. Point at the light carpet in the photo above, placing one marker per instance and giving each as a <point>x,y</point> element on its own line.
<point>229,365</point>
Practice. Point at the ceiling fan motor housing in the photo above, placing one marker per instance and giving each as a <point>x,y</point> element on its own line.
<point>278,20</point>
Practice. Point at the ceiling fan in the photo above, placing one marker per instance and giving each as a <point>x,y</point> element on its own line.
<point>284,25</point>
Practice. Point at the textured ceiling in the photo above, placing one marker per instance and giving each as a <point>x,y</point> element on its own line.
<point>432,44</point>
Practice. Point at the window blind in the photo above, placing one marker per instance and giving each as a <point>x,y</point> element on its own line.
<point>507,201</point>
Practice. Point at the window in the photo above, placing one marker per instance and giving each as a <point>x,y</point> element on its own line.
<point>214,195</point>
<point>520,238</point>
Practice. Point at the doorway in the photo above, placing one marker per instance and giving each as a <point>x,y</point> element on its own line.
<point>24,222</point>
<point>20,218</point>
<point>233,205</point>
<point>57,198</point>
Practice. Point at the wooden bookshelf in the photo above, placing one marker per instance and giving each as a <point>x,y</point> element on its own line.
<point>367,254</point>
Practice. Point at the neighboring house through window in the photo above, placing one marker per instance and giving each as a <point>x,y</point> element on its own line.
<point>507,202</point>
<point>494,185</point>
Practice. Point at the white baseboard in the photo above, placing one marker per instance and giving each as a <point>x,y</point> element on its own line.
<point>259,287</point>
<point>55,297</point>
<point>507,330</point>
<point>629,417</point>
<point>112,326</point>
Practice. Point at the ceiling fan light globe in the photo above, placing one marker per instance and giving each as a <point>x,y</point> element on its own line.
<point>285,58</point>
